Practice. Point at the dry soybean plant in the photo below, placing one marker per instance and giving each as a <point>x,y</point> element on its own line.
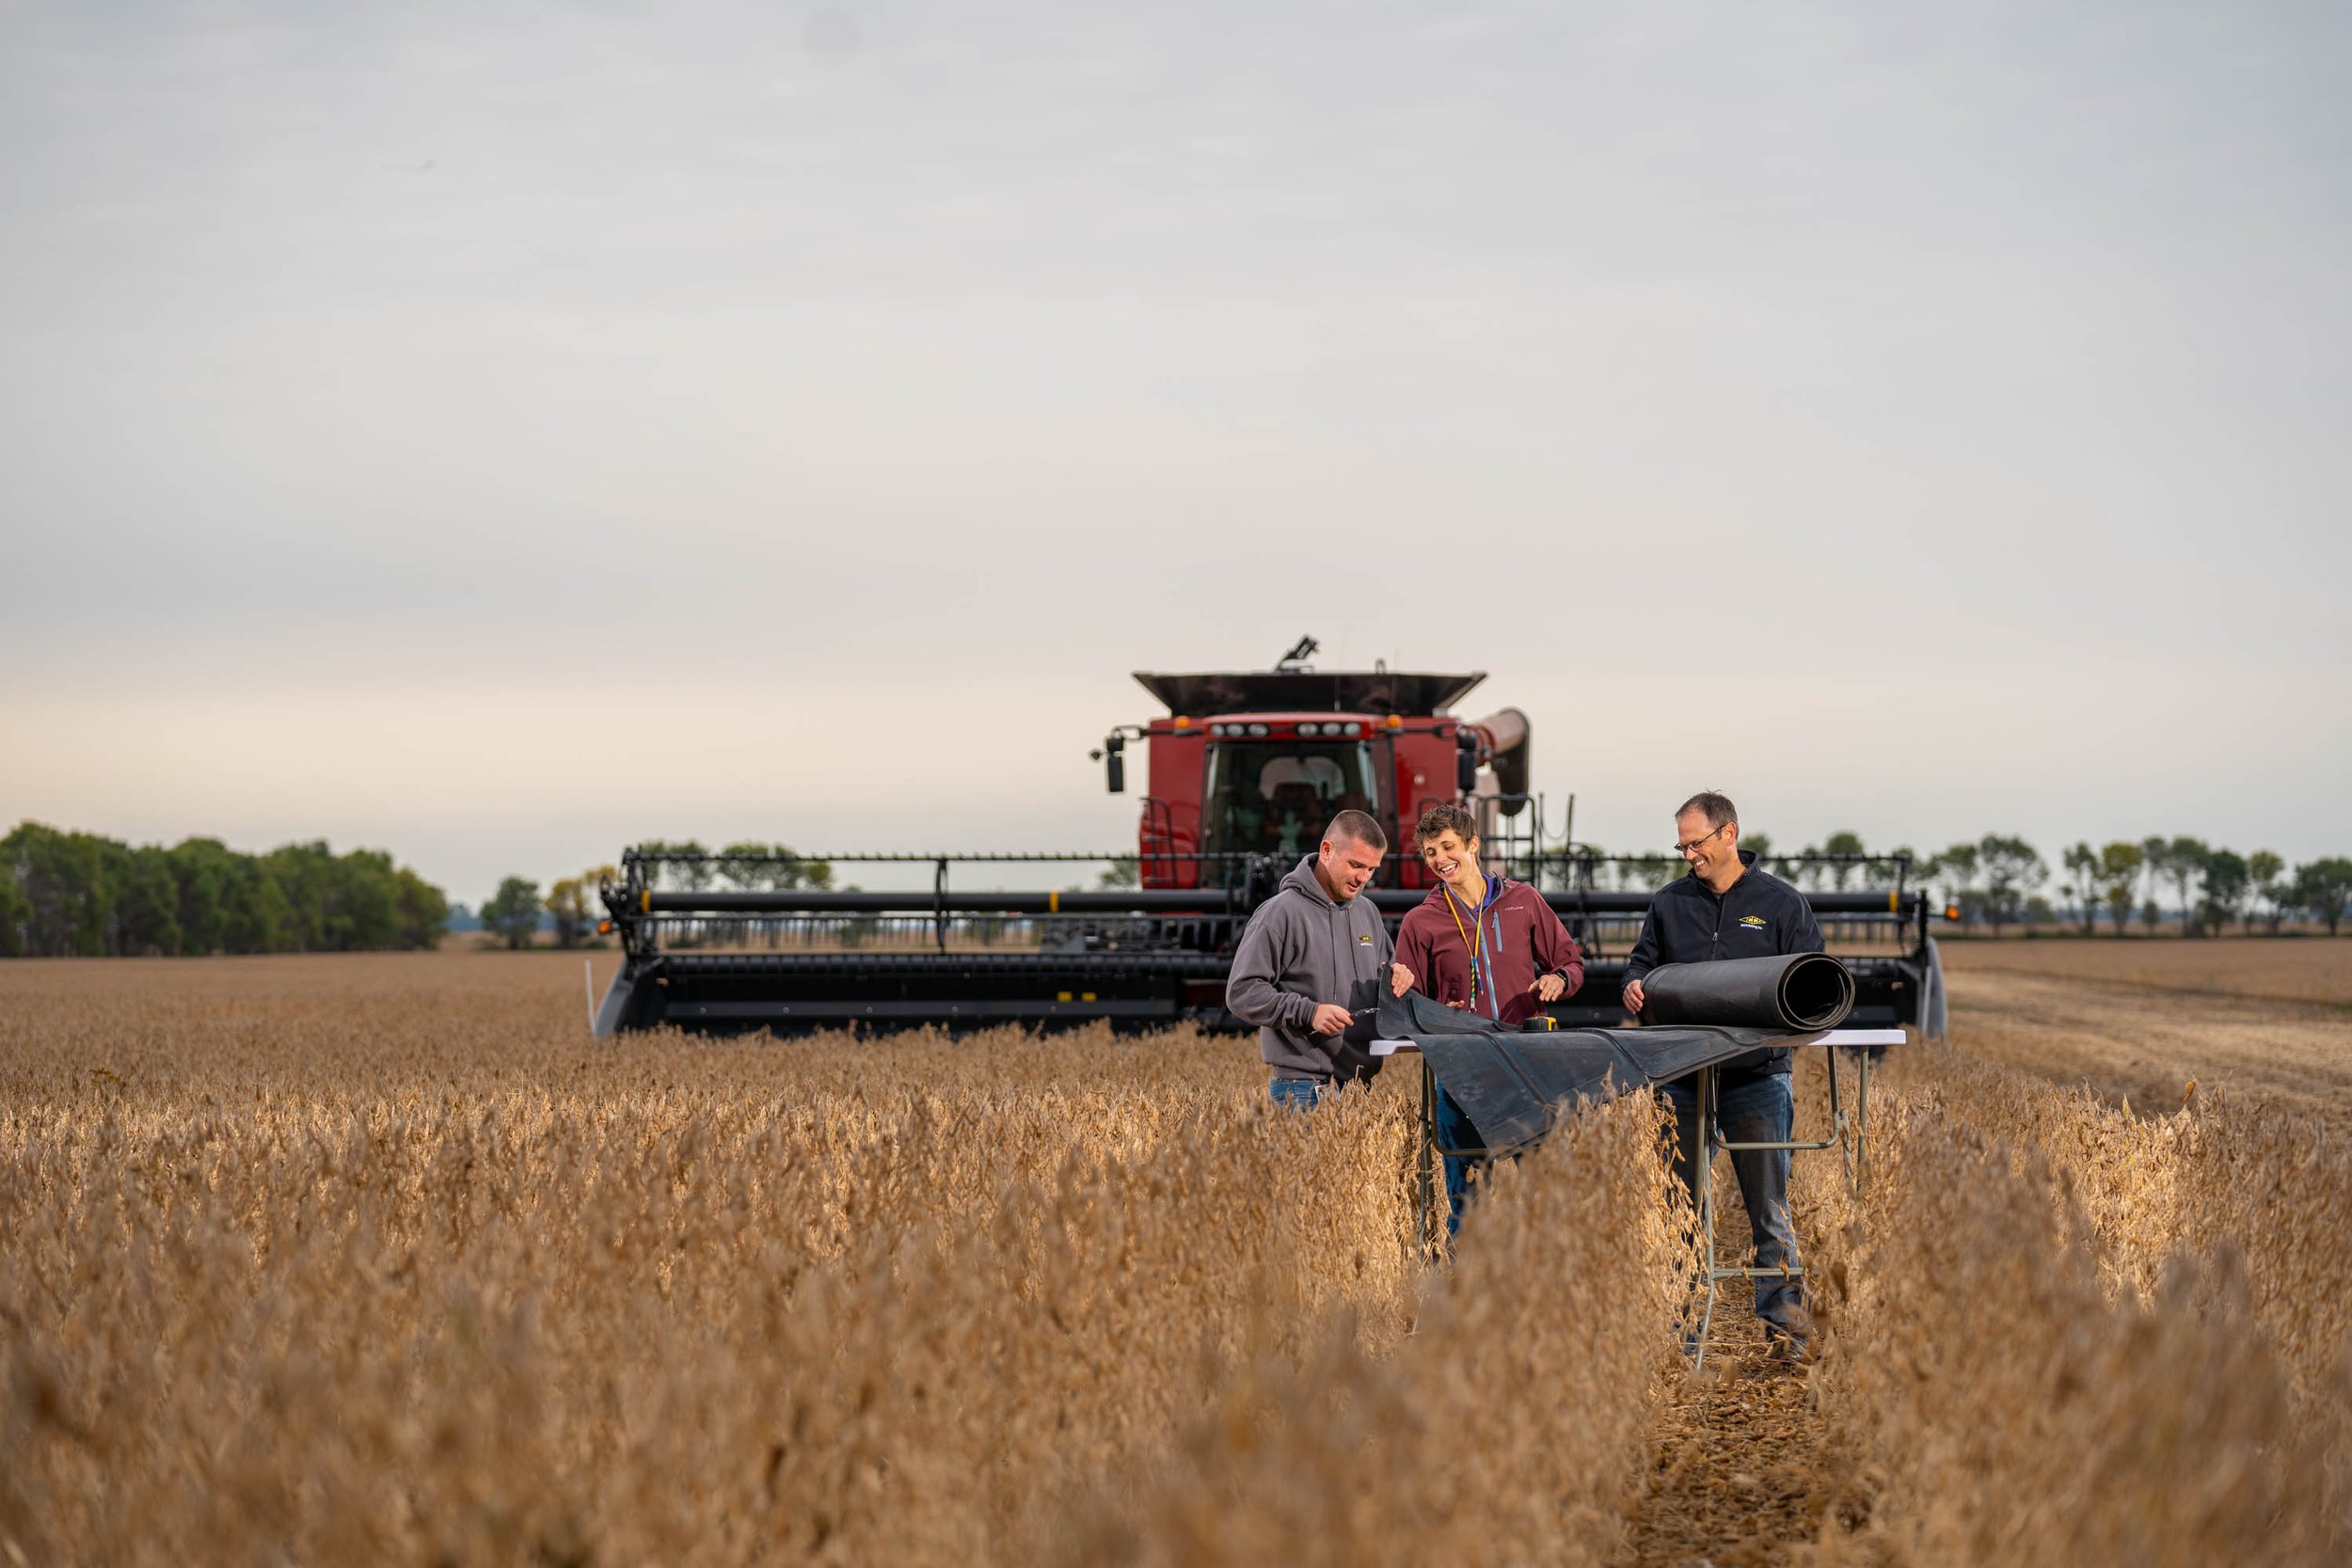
<point>343,1276</point>
<point>2073,1335</point>
<point>380,1260</point>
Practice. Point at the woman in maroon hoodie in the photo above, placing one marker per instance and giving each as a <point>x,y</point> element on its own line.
<point>1484,943</point>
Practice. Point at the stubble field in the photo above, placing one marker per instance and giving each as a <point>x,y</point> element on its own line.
<point>379,1259</point>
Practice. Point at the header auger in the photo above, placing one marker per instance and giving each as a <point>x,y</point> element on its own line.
<point>1243,771</point>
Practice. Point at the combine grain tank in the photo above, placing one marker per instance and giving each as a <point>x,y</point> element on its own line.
<point>1242,772</point>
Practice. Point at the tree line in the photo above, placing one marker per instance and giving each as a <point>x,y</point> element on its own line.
<point>69,895</point>
<point>1996,882</point>
<point>518,911</point>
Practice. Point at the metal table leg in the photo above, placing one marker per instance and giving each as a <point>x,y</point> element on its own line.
<point>1428,1140</point>
<point>1851,1138</point>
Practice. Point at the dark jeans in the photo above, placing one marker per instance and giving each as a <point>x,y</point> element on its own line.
<point>1455,1132</point>
<point>1751,1110</point>
<point>1298,1094</point>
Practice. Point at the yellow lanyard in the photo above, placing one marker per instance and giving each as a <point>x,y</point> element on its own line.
<point>1477,946</point>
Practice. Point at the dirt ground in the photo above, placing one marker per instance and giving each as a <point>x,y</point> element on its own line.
<point>2288,969</point>
<point>2142,1020</point>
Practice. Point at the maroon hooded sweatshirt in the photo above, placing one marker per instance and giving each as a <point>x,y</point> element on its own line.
<point>1518,936</point>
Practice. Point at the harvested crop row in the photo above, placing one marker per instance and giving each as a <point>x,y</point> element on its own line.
<point>2071,1335</point>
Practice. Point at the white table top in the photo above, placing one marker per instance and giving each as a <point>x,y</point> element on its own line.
<point>1850,1038</point>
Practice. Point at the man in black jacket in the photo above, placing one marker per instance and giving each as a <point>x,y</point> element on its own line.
<point>1730,908</point>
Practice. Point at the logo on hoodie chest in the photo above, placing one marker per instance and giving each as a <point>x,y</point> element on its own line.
<point>1752,922</point>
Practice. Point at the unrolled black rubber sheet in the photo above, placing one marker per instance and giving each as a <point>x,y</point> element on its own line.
<point>1508,1081</point>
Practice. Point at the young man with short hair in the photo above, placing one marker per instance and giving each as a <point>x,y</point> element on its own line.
<point>1304,951</point>
<point>1483,944</point>
<point>1729,906</point>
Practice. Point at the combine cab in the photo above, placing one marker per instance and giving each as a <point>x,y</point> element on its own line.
<point>1244,770</point>
<point>1247,765</point>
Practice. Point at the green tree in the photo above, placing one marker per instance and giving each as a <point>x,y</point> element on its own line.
<point>257,916</point>
<point>749,867</point>
<point>363,901</point>
<point>146,902</point>
<point>1125,871</point>
<point>203,870</point>
<point>300,871</point>
<point>1843,842</point>
<point>2118,872</point>
<point>513,913</point>
<point>2228,881</point>
<point>2183,862</point>
<point>2084,870</point>
<point>567,901</point>
<point>681,865</point>
<point>16,915</point>
<point>2156,854</point>
<point>2267,872</point>
<point>1647,873</point>
<point>2013,868</point>
<point>87,895</point>
<point>64,883</point>
<point>2323,887</point>
<point>422,912</point>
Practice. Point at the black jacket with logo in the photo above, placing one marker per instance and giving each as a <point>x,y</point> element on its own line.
<point>1760,917</point>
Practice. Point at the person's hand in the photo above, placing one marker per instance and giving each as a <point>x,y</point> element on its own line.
<point>1400,979</point>
<point>1330,1019</point>
<point>1549,988</point>
<point>1634,998</point>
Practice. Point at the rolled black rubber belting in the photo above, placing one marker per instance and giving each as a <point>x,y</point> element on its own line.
<point>1510,1083</point>
<point>1796,991</point>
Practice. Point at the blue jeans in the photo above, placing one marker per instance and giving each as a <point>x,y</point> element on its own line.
<point>1298,1094</point>
<point>1455,1132</point>
<point>1751,1110</point>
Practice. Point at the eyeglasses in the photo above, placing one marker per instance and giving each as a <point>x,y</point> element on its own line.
<point>1684,849</point>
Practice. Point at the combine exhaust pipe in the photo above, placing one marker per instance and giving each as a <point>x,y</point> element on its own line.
<point>1504,741</point>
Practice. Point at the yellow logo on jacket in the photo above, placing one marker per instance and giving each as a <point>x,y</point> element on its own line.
<point>1363,941</point>
<point>1753,921</point>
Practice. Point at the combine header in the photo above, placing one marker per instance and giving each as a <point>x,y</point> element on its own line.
<point>1243,771</point>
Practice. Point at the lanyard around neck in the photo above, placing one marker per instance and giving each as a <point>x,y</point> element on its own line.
<point>1476,946</point>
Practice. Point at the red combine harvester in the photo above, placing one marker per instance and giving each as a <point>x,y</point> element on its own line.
<point>1244,770</point>
<point>1249,765</point>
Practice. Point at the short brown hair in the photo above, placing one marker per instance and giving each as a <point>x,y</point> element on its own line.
<point>1442,818</point>
<point>1715,806</point>
<point>1357,826</point>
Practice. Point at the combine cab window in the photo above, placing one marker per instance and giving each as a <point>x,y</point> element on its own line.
<point>1273,798</point>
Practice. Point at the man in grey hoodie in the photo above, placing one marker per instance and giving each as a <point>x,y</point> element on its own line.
<point>1305,950</point>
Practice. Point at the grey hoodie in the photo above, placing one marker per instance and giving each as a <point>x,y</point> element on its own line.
<point>1301,949</point>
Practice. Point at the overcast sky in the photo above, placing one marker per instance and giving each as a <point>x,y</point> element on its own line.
<point>500,434</point>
